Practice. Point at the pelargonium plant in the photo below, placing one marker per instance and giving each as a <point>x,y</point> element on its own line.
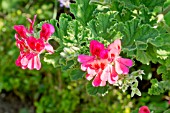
<point>124,37</point>
<point>31,47</point>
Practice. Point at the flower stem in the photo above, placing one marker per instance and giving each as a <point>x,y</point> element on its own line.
<point>166,10</point>
<point>55,9</point>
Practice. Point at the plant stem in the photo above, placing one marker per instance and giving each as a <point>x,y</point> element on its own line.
<point>166,10</point>
<point>55,9</point>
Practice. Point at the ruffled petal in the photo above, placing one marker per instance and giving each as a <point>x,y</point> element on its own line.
<point>121,68</point>
<point>114,48</point>
<point>105,73</point>
<point>46,31</point>
<point>37,63</point>
<point>31,30</point>
<point>113,77</point>
<point>89,77</point>
<point>49,48</point>
<point>85,58</point>
<point>21,30</point>
<point>91,71</point>
<point>97,81</point>
<point>115,45</point>
<point>117,68</point>
<point>125,61</point>
<point>24,61</point>
<point>31,64</point>
<point>104,54</point>
<point>83,67</point>
<point>103,83</point>
<point>96,47</point>
<point>18,61</point>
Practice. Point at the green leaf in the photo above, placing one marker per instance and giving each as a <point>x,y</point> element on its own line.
<point>128,29</point>
<point>161,41</point>
<point>82,11</point>
<point>151,51</point>
<point>76,74</point>
<point>61,31</point>
<point>159,87</point>
<point>151,4</point>
<point>166,17</point>
<point>63,23</point>
<point>143,57</point>
<point>145,33</point>
<point>137,91</point>
<point>102,25</point>
<point>96,90</point>
<point>69,65</point>
<point>167,111</point>
<point>124,14</point>
<point>141,45</point>
<point>53,58</point>
<point>161,69</point>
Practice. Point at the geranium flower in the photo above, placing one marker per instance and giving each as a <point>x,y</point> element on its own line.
<point>121,64</point>
<point>31,47</point>
<point>65,3</point>
<point>144,109</point>
<point>104,64</point>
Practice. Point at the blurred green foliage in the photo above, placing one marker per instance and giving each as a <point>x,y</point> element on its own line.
<point>50,90</point>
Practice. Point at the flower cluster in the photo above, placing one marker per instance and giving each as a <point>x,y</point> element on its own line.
<point>104,64</point>
<point>31,47</point>
<point>144,109</point>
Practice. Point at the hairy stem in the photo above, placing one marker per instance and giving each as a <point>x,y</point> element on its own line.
<point>55,9</point>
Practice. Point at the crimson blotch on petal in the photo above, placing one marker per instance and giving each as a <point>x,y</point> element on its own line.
<point>104,64</point>
<point>31,47</point>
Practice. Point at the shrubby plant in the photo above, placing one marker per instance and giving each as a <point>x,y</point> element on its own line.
<point>128,41</point>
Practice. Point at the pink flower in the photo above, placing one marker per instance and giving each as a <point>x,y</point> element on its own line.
<point>96,47</point>
<point>144,109</point>
<point>121,64</point>
<point>46,31</point>
<point>31,47</point>
<point>105,64</point>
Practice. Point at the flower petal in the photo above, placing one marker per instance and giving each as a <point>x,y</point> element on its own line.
<point>46,31</point>
<point>113,77</point>
<point>144,109</point>
<point>105,73</point>
<point>31,30</point>
<point>31,64</point>
<point>91,71</point>
<point>49,48</point>
<point>85,58</point>
<point>104,54</point>
<point>115,45</point>
<point>96,47</point>
<point>89,77</point>
<point>117,67</point>
<point>37,63</point>
<point>114,48</point>
<point>21,30</point>
<point>125,61</point>
<point>103,83</point>
<point>121,68</point>
<point>97,81</point>
<point>24,61</point>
